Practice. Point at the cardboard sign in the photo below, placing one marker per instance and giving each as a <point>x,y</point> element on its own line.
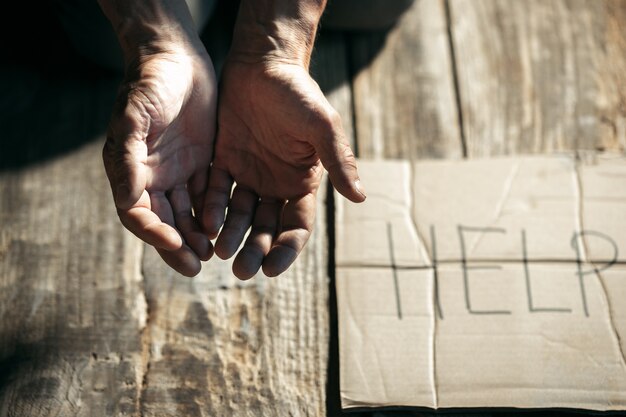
<point>484,283</point>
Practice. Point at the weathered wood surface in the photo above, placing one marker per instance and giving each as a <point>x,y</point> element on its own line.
<point>76,289</point>
<point>71,302</point>
<point>539,76</point>
<point>404,99</point>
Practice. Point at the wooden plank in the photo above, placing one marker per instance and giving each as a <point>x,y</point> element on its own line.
<point>71,301</point>
<point>329,67</point>
<point>403,88</point>
<point>222,347</point>
<point>539,76</point>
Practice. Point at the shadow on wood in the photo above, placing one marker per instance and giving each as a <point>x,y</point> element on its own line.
<point>52,100</point>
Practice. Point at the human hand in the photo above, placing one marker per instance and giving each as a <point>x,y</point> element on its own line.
<point>158,151</point>
<point>274,126</point>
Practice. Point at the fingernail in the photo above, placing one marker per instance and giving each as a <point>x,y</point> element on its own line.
<point>359,188</point>
<point>122,193</point>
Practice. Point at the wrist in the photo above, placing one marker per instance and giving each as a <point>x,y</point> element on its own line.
<point>146,28</point>
<point>276,30</point>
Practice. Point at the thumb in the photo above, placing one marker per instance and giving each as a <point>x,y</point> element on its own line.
<point>124,152</point>
<point>338,159</point>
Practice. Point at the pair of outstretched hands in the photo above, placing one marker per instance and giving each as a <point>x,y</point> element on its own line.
<point>174,150</point>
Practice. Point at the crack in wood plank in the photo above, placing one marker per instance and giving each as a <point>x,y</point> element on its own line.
<point>146,341</point>
<point>455,77</point>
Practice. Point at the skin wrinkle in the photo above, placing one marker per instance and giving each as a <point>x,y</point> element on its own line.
<point>281,157</point>
<point>268,183</point>
<point>141,26</point>
<point>185,156</point>
<point>190,155</point>
<point>121,157</point>
<point>283,28</point>
<point>136,133</point>
<point>347,151</point>
<point>135,103</point>
<point>163,114</point>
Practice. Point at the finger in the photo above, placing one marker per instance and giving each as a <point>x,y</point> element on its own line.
<point>196,188</point>
<point>187,224</point>
<point>162,208</point>
<point>238,220</point>
<point>258,244</point>
<point>147,226</point>
<point>216,200</point>
<point>297,224</point>
<point>125,151</point>
<point>183,261</point>
<point>334,151</point>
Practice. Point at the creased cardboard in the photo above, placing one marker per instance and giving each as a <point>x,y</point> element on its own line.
<point>485,283</point>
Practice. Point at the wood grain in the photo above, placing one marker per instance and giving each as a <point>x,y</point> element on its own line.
<point>71,302</point>
<point>403,88</point>
<point>538,76</point>
<point>223,347</point>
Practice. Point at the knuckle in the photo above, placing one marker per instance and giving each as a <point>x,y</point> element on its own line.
<point>214,208</point>
<point>334,118</point>
<point>304,228</point>
<point>347,155</point>
<point>327,123</point>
